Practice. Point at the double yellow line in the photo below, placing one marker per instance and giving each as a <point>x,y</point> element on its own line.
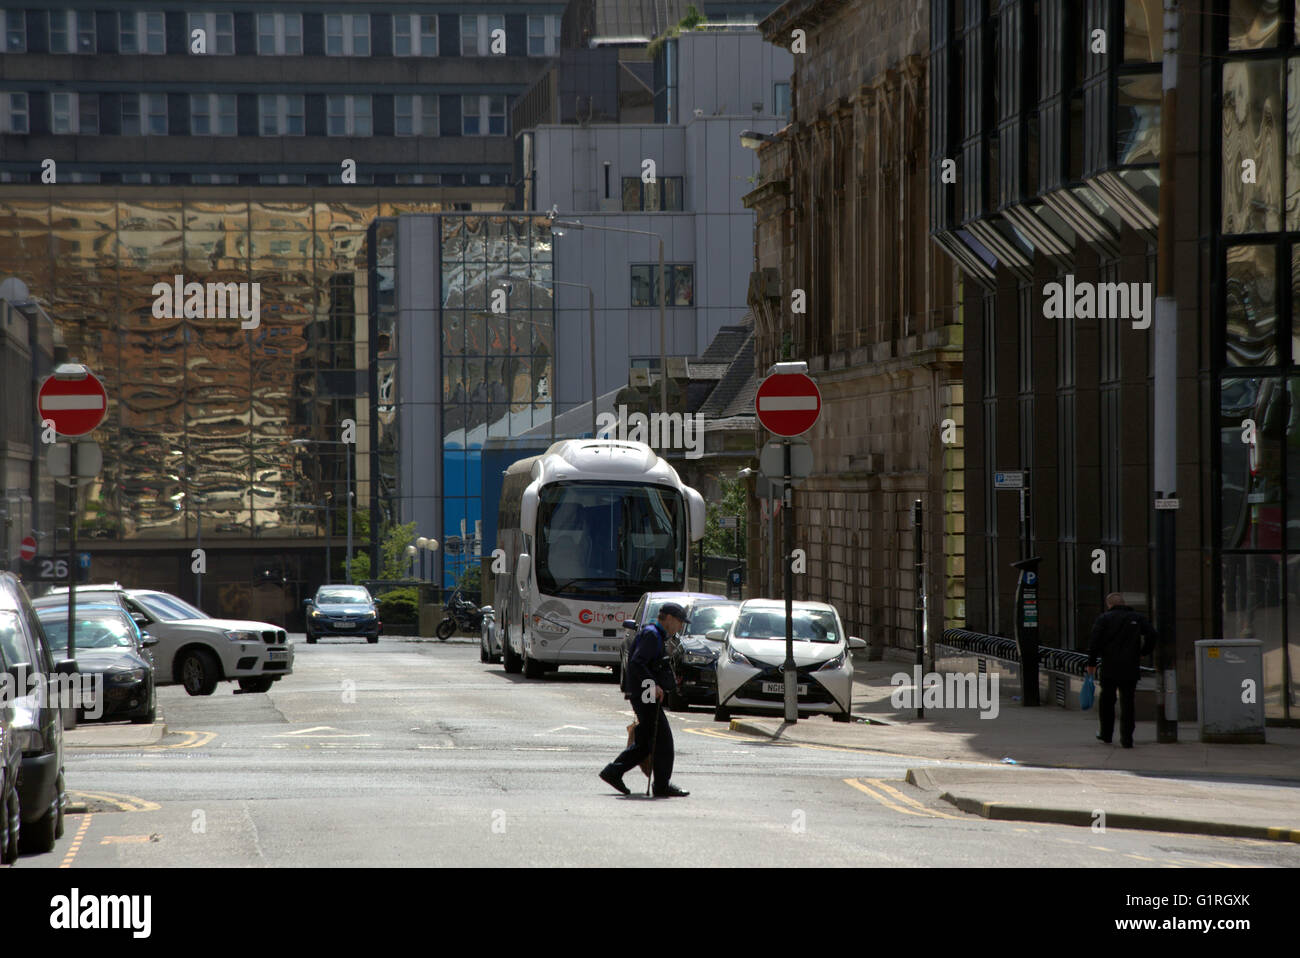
<point>895,800</point>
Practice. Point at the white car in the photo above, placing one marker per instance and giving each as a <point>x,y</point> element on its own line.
<point>197,651</point>
<point>750,677</point>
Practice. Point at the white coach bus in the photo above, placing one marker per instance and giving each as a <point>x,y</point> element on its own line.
<point>586,528</point>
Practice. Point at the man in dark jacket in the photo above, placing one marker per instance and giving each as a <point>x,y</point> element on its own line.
<point>649,677</point>
<point>1120,636</point>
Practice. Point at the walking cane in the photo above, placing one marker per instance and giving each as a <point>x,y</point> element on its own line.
<point>654,737</point>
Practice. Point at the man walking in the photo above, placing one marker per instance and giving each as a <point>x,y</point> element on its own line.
<point>1120,636</point>
<point>648,678</point>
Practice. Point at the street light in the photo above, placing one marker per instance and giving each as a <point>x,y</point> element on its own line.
<point>591,321</point>
<point>663,297</point>
<point>422,544</point>
<point>347,458</point>
<point>753,139</point>
<point>410,554</point>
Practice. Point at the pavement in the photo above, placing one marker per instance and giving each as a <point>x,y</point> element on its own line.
<point>1045,765</point>
<point>115,734</point>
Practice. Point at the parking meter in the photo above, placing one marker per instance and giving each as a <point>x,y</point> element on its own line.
<point>1027,627</point>
<point>735,580</point>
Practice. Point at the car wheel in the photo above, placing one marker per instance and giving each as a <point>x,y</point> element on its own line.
<point>721,715</point>
<point>618,674</point>
<point>483,647</point>
<point>40,835</point>
<point>12,825</point>
<point>509,661</point>
<point>373,639</point>
<point>200,672</point>
<point>842,717</point>
<point>63,804</point>
<point>445,629</point>
<point>532,668</point>
<point>261,683</point>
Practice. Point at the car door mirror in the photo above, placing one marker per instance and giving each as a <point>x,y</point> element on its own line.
<point>523,566</point>
<point>856,643</point>
<point>629,624</point>
<point>140,619</point>
<point>717,635</point>
<point>146,640</point>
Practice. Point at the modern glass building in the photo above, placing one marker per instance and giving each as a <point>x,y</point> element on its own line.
<point>464,322</point>
<point>216,435</point>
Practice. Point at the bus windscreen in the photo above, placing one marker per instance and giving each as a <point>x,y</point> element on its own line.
<point>609,540</point>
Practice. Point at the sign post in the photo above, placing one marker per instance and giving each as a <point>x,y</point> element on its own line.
<point>75,402</point>
<point>788,403</point>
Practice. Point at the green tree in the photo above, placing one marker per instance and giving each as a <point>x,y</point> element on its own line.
<point>392,553</point>
<point>717,540</point>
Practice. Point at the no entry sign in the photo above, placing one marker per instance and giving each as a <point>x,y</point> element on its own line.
<point>27,549</point>
<point>788,404</point>
<point>76,406</point>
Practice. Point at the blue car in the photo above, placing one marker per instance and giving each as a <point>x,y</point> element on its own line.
<point>342,610</point>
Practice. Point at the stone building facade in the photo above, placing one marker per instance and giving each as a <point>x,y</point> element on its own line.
<point>847,280</point>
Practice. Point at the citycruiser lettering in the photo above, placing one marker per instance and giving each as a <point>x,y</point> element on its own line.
<point>1072,300</point>
<point>587,617</point>
<point>662,430</point>
<point>182,300</point>
<point>956,690</point>
<point>75,911</point>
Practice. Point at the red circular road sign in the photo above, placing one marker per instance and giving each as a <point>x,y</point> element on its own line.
<point>76,406</point>
<point>788,403</point>
<point>28,549</point>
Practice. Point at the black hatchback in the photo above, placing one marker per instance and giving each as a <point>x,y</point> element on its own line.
<point>342,610</point>
<point>111,647</point>
<point>37,720</point>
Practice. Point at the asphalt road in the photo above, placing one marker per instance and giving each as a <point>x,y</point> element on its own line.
<point>414,753</point>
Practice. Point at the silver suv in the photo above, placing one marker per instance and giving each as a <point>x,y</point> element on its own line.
<point>194,650</point>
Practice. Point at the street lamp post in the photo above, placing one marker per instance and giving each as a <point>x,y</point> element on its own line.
<point>591,323</point>
<point>663,297</point>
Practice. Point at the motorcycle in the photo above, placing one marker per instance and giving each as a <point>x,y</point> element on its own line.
<point>462,615</point>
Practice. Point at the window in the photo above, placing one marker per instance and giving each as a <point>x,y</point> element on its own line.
<point>14,118</point>
<point>415,35</point>
<point>279,34</point>
<point>476,33</point>
<point>421,179</point>
<point>470,110</point>
<point>85,31</point>
<point>347,35</point>
<point>281,114</point>
<point>13,24</point>
<point>645,285</point>
<point>88,113</point>
<point>781,99</point>
<point>347,115</point>
<point>63,31</point>
<point>415,114</point>
<point>214,179</point>
<point>213,114</point>
<point>283,179</point>
<point>141,32</point>
<point>218,28</point>
<point>144,114</point>
<point>639,196</point>
<point>63,113</point>
<point>483,115</point>
<point>543,35</point>
<point>146,178</point>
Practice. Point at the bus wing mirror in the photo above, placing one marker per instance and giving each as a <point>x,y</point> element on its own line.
<point>528,509</point>
<point>695,505</point>
<point>522,568</point>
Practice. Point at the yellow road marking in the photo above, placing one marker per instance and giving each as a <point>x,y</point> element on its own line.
<point>860,786</point>
<point>196,740</point>
<point>76,842</point>
<point>126,803</point>
<point>124,840</point>
<point>890,790</point>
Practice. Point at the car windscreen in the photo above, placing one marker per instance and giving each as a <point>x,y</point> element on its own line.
<point>810,625</point>
<point>343,597</point>
<point>707,616</point>
<point>168,608</point>
<point>95,630</point>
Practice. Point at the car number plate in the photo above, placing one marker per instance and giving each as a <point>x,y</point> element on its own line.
<point>345,625</point>
<point>277,656</point>
<point>778,688</point>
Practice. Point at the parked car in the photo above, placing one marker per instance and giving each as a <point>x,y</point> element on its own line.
<point>11,763</point>
<point>36,720</point>
<point>647,611</point>
<point>694,656</point>
<point>109,644</point>
<point>489,640</point>
<point>342,610</point>
<point>750,676</point>
<point>196,651</point>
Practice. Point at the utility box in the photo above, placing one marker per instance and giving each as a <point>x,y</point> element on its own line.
<point>1230,690</point>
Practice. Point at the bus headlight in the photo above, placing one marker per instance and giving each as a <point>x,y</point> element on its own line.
<point>549,626</point>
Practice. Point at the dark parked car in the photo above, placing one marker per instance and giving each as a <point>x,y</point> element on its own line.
<point>694,656</point>
<point>11,763</point>
<point>37,721</point>
<point>109,644</point>
<point>647,611</point>
<point>342,610</point>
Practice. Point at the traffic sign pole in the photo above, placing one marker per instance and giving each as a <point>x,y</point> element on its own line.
<point>70,715</point>
<point>791,673</point>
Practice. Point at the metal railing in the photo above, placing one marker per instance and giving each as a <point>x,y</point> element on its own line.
<point>1059,661</point>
